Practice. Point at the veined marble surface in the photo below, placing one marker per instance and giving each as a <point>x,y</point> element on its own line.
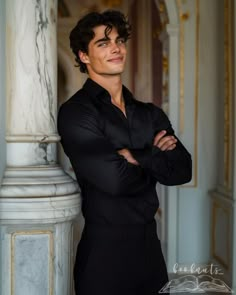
<point>31,66</point>
<point>37,181</point>
<point>38,194</point>
<point>31,153</point>
<point>28,251</point>
<point>39,210</point>
<point>36,259</point>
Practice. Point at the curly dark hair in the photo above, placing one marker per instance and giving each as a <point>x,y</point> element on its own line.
<point>83,32</point>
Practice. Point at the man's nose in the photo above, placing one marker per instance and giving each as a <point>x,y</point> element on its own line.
<point>115,47</point>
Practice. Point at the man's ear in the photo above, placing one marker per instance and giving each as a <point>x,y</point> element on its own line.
<point>83,57</point>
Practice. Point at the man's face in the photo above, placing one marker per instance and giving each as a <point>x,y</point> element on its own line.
<point>106,56</point>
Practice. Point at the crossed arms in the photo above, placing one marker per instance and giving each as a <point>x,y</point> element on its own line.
<point>164,143</point>
<point>95,160</point>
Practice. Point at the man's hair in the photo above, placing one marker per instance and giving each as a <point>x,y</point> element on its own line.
<point>83,32</point>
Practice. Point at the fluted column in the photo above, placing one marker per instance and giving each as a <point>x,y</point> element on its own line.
<point>38,201</point>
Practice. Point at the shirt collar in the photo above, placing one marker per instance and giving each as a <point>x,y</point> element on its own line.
<point>98,92</point>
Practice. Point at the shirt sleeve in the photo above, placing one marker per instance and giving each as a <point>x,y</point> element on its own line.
<point>167,167</point>
<point>93,157</point>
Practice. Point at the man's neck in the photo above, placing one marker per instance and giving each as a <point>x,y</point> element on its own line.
<point>113,85</point>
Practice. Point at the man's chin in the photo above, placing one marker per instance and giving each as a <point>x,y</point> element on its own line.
<point>115,73</point>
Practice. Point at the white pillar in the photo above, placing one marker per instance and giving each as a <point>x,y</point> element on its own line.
<point>38,201</point>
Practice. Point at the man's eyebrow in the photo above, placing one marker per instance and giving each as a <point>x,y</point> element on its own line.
<point>102,40</point>
<point>107,39</point>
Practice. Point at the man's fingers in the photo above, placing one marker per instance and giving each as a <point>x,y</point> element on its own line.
<point>163,145</point>
<point>159,136</point>
<point>133,161</point>
<point>170,148</point>
<point>124,152</point>
<point>167,143</point>
<point>163,141</point>
<point>128,156</point>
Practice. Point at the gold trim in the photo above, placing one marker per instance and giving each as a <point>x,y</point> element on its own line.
<point>182,18</point>
<point>161,7</point>
<point>51,254</point>
<point>228,90</point>
<point>185,16</point>
<point>73,256</point>
<point>181,66</point>
<point>163,14</point>
<point>216,206</point>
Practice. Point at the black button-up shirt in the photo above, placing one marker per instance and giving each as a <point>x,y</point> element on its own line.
<point>115,191</point>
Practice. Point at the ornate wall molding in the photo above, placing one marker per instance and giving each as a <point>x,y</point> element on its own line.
<point>182,18</point>
<point>228,91</point>
<point>221,214</point>
<point>26,238</point>
<point>184,15</point>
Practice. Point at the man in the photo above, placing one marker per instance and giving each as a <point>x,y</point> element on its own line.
<point>119,148</point>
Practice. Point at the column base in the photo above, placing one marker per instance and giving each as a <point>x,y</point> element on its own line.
<point>38,206</point>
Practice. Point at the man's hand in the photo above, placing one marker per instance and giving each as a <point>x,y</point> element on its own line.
<point>128,156</point>
<point>165,143</point>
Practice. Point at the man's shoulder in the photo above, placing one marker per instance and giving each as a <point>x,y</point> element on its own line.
<point>77,102</point>
<point>77,110</point>
<point>78,98</point>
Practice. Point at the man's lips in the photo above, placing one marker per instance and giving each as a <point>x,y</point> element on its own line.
<point>116,59</point>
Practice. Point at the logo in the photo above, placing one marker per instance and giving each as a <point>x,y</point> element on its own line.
<point>198,280</point>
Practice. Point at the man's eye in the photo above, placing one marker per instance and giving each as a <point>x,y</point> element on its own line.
<point>121,41</point>
<point>103,44</point>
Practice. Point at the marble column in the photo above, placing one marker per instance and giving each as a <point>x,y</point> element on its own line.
<point>38,201</point>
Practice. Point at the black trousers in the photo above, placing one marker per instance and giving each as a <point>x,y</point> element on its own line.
<point>119,260</point>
